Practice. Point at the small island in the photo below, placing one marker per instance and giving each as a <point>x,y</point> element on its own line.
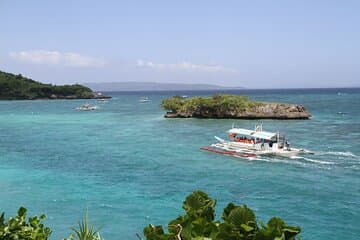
<point>17,87</point>
<point>231,106</point>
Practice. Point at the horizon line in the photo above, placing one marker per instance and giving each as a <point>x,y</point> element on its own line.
<point>238,89</point>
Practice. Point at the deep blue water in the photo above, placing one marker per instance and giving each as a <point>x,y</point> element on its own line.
<point>130,166</point>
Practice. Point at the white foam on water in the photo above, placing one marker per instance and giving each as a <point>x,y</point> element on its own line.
<point>318,161</point>
<point>104,205</point>
<point>274,160</point>
<point>303,161</point>
<point>345,154</point>
<point>354,167</point>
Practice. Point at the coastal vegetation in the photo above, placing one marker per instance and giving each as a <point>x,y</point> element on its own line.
<point>222,102</point>
<point>19,227</point>
<point>230,106</point>
<point>85,231</point>
<point>238,223</point>
<point>32,228</point>
<point>17,87</point>
<point>198,223</point>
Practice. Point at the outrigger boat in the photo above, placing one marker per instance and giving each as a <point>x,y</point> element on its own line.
<point>144,100</point>
<point>102,100</point>
<point>254,143</point>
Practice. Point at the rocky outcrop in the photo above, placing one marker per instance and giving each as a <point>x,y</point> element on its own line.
<point>261,111</point>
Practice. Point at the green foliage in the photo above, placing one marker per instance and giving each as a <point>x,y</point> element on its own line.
<point>174,104</point>
<point>239,223</point>
<point>19,227</point>
<point>157,233</point>
<point>85,231</point>
<point>18,87</point>
<point>277,229</point>
<point>198,204</point>
<point>218,102</point>
<point>199,217</point>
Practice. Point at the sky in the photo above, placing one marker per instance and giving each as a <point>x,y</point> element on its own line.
<point>252,44</point>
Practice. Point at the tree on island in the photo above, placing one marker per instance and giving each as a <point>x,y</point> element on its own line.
<point>231,106</point>
<point>17,87</point>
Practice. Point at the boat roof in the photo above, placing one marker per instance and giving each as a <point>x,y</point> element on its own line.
<point>254,134</point>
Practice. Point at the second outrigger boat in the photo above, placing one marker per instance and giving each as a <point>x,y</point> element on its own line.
<point>144,100</point>
<point>87,107</point>
<point>254,143</point>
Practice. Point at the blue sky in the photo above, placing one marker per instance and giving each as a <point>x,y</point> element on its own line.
<point>254,44</point>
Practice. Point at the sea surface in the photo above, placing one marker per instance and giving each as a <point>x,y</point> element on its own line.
<point>129,166</point>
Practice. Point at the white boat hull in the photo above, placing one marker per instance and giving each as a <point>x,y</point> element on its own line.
<point>251,150</point>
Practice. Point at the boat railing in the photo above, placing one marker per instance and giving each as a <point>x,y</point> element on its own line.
<point>258,127</point>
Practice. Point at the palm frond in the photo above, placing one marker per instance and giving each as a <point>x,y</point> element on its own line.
<point>85,231</point>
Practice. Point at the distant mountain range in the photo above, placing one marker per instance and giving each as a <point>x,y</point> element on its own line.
<point>153,86</point>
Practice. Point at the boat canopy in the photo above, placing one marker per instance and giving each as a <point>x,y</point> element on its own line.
<point>254,134</point>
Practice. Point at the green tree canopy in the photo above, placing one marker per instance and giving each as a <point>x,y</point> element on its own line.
<point>18,87</point>
<point>217,102</point>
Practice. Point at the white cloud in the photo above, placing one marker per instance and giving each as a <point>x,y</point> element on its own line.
<point>185,66</point>
<point>57,58</point>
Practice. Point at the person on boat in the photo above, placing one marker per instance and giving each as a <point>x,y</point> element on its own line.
<point>287,145</point>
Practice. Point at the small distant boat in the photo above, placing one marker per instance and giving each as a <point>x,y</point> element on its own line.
<point>87,107</point>
<point>102,100</point>
<point>144,99</point>
<point>342,113</point>
<point>246,143</point>
<point>184,96</point>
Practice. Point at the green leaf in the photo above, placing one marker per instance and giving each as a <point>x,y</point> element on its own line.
<point>291,232</point>
<point>198,204</point>
<point>247,228</point>
<point>237,215</point>
<point>22,212</point>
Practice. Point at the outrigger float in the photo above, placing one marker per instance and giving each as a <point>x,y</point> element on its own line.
<point>246,143</point>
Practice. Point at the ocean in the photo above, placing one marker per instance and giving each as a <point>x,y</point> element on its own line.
<point>129,166</point>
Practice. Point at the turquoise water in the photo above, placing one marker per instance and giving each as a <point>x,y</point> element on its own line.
<point>130,167</point>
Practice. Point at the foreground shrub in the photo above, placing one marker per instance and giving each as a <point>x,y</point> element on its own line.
<point>239,223</point>
<point>85,231</point>
<point>20,228</point>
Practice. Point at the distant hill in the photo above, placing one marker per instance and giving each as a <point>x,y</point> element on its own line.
<point>153,86</point>
<point>13,87</point>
